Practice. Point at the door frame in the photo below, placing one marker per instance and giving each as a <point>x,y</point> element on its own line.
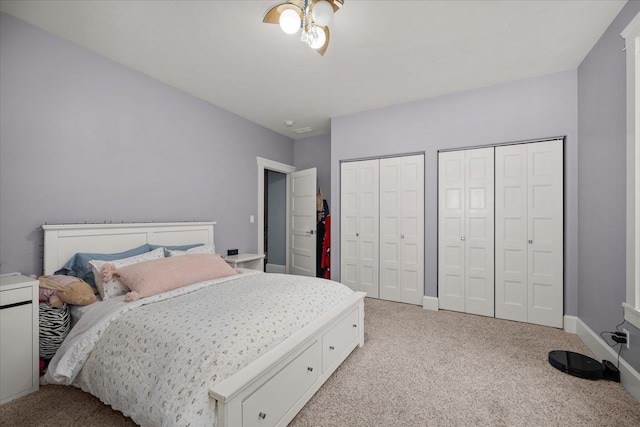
<point>272,165</point>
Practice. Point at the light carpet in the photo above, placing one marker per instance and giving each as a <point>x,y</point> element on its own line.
<point>417,368</point>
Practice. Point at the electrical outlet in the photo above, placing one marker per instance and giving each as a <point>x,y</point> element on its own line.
<point>624,331</point>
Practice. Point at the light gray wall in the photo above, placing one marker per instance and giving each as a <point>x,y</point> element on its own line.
<point>83,138</point>
<point>277,213</point>
<point>602,183</point>
<point>315,152</point>
<point>523,110</point>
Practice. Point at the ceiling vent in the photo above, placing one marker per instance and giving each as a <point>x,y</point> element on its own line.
<point>303,130</point>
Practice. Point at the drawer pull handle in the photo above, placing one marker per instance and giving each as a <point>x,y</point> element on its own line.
<point>310,369</point>
<point>262,415</point>
<point>355,326</point>
<point>15,304</point>
<point>331,347</point>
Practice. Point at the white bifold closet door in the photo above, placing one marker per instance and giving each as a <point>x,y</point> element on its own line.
<point>466,231</point>
<point>402,229</point>
<point>359,223</point>
<point>382,227</point>
<point>529,233</point>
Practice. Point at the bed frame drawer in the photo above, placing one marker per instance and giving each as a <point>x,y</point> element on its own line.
<point>273,400</point>
<point>339,339</point>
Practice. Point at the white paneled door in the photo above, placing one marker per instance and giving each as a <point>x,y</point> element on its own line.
<point>402,229</point>
<point>451,231</point>
<point>511,232</point>
<point>529,233</point>
<point>303,223</point>
<point>466,231</point>
<point>359,223</point>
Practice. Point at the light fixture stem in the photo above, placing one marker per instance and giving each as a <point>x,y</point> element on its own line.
<point>305,21</point>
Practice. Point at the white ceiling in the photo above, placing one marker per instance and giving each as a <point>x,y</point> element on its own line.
<point>381,52</point>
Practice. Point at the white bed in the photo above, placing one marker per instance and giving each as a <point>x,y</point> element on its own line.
<point>271,388</point>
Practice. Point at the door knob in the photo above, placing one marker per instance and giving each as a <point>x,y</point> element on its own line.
<point>462,238</point>
<point>530,241</point>
<point>402,236</point>
<point>309,232</point>
<point>357,234</point>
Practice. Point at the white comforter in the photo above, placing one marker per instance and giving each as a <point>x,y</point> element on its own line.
<point>156,358</point>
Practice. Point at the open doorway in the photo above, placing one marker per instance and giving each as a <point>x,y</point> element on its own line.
<point>275,221</point>
<point>300,217</point>
<point>263,166</point>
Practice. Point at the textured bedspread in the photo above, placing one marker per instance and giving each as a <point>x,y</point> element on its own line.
<point>157,361</point>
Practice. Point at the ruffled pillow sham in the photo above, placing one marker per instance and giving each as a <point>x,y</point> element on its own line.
<point>203,249</point>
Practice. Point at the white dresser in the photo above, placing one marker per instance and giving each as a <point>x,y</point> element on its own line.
<point>19,363</point>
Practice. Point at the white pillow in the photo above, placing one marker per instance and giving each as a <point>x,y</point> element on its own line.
<point>113,288</point>
<point>204,249</point>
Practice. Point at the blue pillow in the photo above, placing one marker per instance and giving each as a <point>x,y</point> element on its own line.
<point>77,265</point>
<point>174,248</point>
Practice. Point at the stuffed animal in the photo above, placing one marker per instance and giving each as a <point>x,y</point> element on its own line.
<point>58,289</point>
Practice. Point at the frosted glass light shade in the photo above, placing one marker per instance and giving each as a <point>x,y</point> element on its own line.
<point>290,21</point>
<point>319,41</point>
<point>322,13</point>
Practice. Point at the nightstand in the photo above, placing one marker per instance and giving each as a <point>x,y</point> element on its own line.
<point>250,261</point>
<point>19,359</point>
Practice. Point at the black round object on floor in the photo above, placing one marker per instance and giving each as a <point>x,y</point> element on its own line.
<point>576,364</point>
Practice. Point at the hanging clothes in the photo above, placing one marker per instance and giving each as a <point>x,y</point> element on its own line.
<point>319,205</point>
<point>325,264</point>
<point>320,234</point>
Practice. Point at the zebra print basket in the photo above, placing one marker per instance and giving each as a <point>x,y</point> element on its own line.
<point>55,324</point>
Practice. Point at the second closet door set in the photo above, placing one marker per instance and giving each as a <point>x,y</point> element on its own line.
<point>382,227</point>
<point>500,232</point>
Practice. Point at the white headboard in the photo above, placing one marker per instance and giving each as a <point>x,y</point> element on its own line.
<point>61,242</point>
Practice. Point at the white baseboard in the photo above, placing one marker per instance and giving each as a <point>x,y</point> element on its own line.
<point>570,324</point>
<point>276,268</point>
<point>430,303</point>
<point>629,377</point>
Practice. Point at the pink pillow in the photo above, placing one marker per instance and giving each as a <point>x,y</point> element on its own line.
<point>153,277</point>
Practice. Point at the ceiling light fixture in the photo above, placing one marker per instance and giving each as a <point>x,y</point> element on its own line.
<point>312,16</point>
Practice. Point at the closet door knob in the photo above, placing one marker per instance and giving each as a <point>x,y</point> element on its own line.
<point>402,236</point>
<point>331,347</point>
<point>309,232</point>
<point>530,241</point>
<point>262,415</point>
<point>462,238</point>
<point>310,369</point>
<point>357,234</point>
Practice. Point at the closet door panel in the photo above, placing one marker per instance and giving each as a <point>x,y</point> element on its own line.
<point>545,229</point>
<point>402,229</point>
<point>368,227</point>
<point>349,203</point>
<point>511,233</point>
<point>479,236</point>
<point>390,226</point>
<point>359,226</point>
<point>466,231</point>
<point>412,231</point>
<point>451,228</point>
